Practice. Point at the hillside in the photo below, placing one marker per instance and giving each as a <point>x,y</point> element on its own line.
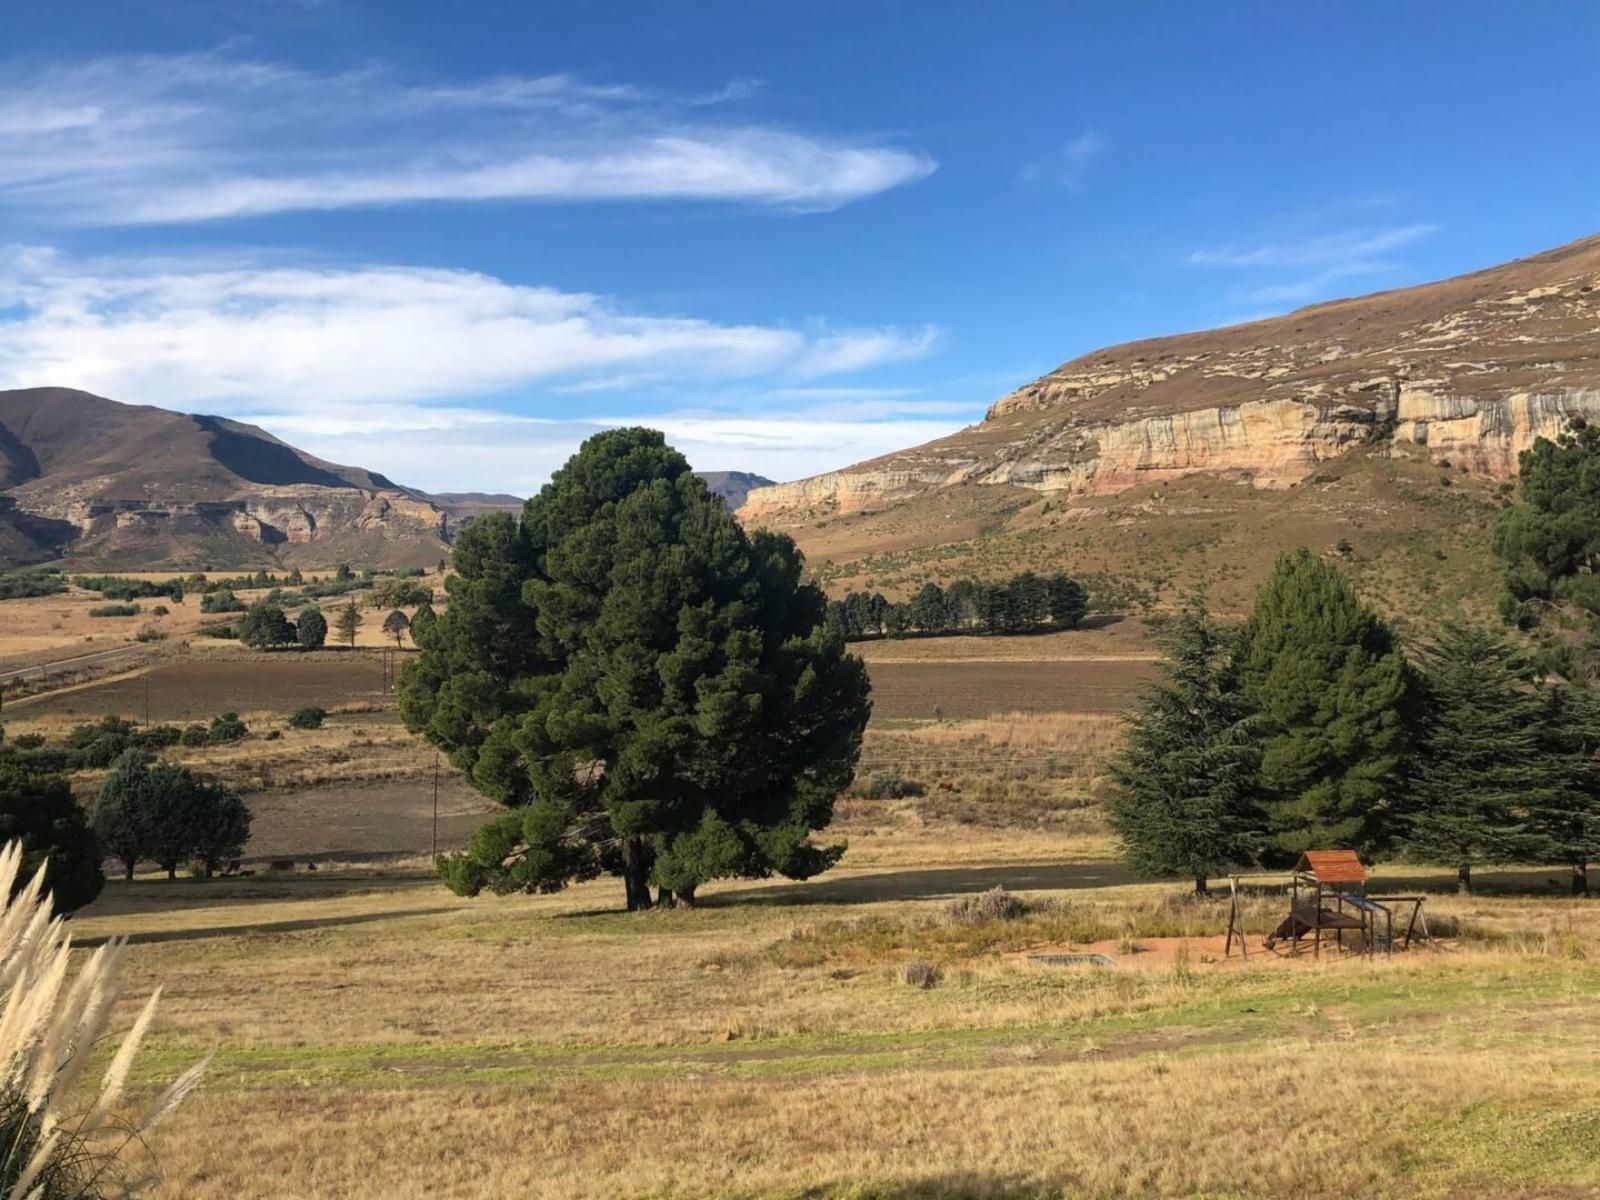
<point>1386,422</point>
<point>132,485</point>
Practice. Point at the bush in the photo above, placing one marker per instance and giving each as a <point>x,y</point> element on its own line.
<point>223,601</point>
<point>20,585</point>
<point>308,718</point>
<point>996,904</point>
<point>114,610</point>
<point>38,813</point>
<point>919,973</point>
<point>227,728</point>
<point>28,741</point>
<point>891,785</point>
<point>196,735</point>
<point>149,634</point>
<point>160,610</point>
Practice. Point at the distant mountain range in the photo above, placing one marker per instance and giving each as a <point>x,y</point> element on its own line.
<point>126,486</point>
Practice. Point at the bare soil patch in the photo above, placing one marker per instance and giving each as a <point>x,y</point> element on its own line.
<point>363,822</point>
<point>962,690</point>
<point>192,691</point>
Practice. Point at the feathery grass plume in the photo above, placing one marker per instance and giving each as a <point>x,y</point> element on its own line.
<point>49,1028</point>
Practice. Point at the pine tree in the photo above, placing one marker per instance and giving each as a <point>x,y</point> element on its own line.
<point>1485,784</point>
<point>1325,671</point>
<point>349,623</point>
<point>652,690</point>
<point>1185,800</point>
<point>1570,735</point>
<point>928,612</point>
<point>1068,600</point>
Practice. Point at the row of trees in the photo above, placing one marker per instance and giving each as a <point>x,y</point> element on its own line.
<point>1309,727</point>
<point>164,813</point>
<point>1022,604</point>
<point>265,626</point>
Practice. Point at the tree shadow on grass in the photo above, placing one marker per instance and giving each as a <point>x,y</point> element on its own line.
<point>962,1185</point>
<point>296,926</point>
<point>929,884</point>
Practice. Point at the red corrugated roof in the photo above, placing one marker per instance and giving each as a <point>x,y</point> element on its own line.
<point>1332,866</point>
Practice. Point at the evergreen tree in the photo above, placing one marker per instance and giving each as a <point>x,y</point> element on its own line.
<point>1570,735</point>
<point>348,623</point>
<point>1550,541</point>
<point>219,824</point>
<point>1325,671</point>
<point>928,609</point>
<point>961,603</point>
<point>1485,784</point>
<point>1030,600</point>
<point>1185,800</point>
<point>1068,600</point>
<point>37,809</point>
<point>652,689</point>
<point>118,817</point>
<point>311,629</point>
<point>421,622</point>
<point>264,627</point>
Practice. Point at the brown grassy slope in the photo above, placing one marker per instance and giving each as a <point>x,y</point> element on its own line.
<point>1418,533</point>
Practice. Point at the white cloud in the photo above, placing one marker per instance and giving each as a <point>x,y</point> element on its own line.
<point>1331,249</point>
<point>154,139</point>
<point>1330,259</point>
<point>397,368</point>
<point>288,337</point>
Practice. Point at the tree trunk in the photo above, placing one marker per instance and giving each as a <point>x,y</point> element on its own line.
<point>127,871</point>
<point>664,898</point>
<point>1464,879</point>
<point>686,897</point>
<point>1580,879</point>
<point>635,875</point>
<point>1202,886</point>
<point>172,870</point>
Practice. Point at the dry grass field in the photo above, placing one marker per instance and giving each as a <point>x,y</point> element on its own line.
<point>857,1035</point>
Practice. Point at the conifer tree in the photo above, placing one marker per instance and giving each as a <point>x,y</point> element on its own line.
<point>1570,735</point>
<point>1185,800</point>
<point>1486,786</point>
<point>348,623</point>
<point>1326,672</point>
<point>652,691</point>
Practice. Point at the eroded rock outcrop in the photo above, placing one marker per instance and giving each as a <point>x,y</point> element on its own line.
<point>1474,369</point>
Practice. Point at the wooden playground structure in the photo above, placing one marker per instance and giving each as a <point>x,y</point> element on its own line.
<point>1327,890</point>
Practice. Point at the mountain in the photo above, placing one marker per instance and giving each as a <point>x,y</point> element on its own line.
<point>1377,427</point>
<point>126,485</point>
<point>733,486</point>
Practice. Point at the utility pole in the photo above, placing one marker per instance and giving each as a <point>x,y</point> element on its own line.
<point>435,852</point>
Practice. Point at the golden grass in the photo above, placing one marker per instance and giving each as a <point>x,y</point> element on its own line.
<point>378,1037</point>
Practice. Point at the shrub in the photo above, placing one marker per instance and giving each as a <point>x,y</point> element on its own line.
<point>996,904</point>
<point>149,634</point>
<point>160,610</point>
<point>919,973</point>
<point>114,610</point>
<point>196,735</point>
<point>227,728</point>
<point>223,601</point>
<point>20,585</point>
<point>28,741</point>
<point>891,785</point>
<point>308,718</point>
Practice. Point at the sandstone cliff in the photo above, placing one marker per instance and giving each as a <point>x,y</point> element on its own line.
<point>1471,370</point>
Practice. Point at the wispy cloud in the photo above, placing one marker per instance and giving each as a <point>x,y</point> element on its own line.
<point>1331,249</point>
<point>1300,270</point>
<point>232,333</point>
<point>168,139</point>
<point>1069,166</point>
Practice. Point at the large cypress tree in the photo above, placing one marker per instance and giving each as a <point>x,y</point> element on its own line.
<point>1326,671</point>
<point>1185,798</point>
<point>1486,785</point>
<point>1569,732</point>
<point>653,692</point>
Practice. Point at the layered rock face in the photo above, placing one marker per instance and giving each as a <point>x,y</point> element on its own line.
<point>1474,369</point>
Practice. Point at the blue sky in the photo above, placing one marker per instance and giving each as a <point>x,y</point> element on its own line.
<point>447,242</point>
